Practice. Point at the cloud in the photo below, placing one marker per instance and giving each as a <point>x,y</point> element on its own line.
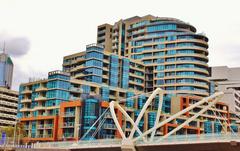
<point>22,76</point>
<point>225,55</point>
<point>15,46</point>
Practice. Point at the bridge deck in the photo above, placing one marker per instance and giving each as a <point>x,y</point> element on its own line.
<point>206,142</point>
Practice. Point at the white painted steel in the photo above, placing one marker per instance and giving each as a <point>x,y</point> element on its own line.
<point>179,114</point>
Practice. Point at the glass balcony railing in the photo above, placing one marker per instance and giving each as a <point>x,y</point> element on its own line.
<point>69,113</point>
<point>49,126</point>
<point>40,126</point>
<point>68,135</point>
<point>68,124</point>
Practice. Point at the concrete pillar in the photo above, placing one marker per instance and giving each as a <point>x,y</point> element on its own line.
<point>77,124</point>
<point>128,145</point>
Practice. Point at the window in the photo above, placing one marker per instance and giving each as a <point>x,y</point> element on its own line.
<point>171,38</point>
<point>171,52</point>
<point>160,82</point>
<point>170,45</point>
<point>161,53</point>
<point>160,74</point>
<point>160,67</point>
<point>170,59</point>
<point>161,27</point>
<point>94,54</point>
<point>170,66</point>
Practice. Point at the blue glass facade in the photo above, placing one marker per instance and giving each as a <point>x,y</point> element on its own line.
<point>105,93</point>
<point>58,89</point>
<point>94,64</point>
<point>90,115</point>
<point>130,101</point>
<point>125,73</point>
<point>114,65</point>
<point>162,27</point>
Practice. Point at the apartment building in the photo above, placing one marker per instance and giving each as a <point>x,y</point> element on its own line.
<point>132,57</point>
<point>97,66</point>
<point>75,117</point>
<point>175,56</point>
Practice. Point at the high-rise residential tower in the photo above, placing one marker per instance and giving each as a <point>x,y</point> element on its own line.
<point>6,70</point>
<point>175,55</point>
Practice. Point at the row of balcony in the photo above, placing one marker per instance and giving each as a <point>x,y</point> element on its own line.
<point>4,96</point>
<point>8,103</point>
<point>41,126</point>
<point>11,116</point>
<point>42,136</point>
<point>28,91</point>
<point>8,109</point>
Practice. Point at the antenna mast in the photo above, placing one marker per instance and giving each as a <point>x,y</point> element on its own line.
<point>4,47</point>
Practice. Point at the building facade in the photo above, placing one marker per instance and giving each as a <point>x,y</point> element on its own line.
<point>175,56</point>
<point>133,57</point>
<point>75,117</point>
<point>8,107</point>
<point>67,104</point>
<point>6,70</point>
<point>227,80</point>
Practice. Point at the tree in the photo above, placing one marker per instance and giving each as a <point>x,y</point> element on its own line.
<point>9,130</point>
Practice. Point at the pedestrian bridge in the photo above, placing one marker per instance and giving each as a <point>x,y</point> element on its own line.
<point>204,142</point>
<point>148,141</point>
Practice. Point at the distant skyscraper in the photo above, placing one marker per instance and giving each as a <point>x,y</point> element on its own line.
<point>6,69</point>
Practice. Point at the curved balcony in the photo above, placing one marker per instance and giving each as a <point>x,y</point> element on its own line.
<point>197,62</point>
<point>195,92</point>
<point>202,78</point>
<point>195,69</point>
<point>195,84</point>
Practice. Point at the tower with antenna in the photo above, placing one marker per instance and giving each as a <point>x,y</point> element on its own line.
<point>6,68</point>
<point>3,48</point>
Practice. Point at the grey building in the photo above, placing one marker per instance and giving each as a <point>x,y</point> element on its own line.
<point>227,80</point>
<point>6,70</point>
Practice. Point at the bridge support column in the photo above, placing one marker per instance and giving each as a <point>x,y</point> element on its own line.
<point>128,145</point>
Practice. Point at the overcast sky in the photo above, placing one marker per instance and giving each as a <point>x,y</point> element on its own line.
<point>38,33</point>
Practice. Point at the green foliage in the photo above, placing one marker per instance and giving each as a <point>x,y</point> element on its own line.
<point>9,130</point>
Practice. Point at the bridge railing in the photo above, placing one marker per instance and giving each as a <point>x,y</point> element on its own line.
<point>182,139</point>
<point>175,139</point>
<point>80,144</point>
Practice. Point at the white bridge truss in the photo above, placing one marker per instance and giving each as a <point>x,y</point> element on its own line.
<point>211,100</point>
